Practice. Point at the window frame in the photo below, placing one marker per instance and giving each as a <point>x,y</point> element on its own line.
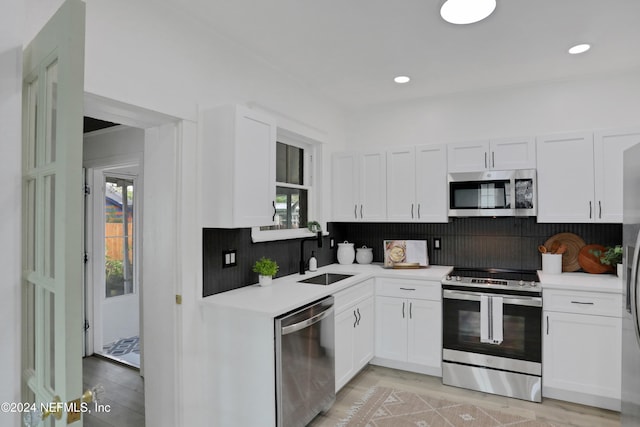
<point>312,166</point>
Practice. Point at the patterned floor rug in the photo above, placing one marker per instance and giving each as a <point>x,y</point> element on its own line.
<point>386,407</point>
<point>126,350</point>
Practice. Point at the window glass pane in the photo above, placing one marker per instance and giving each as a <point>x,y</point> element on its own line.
<point>49,255</point>
<point>30,238</point>
<point>49,339</point>
<point>291,209</point>
<point>289,164</point>
<point>33,127</point>
<point>52,105</point>
<point>119,250</point>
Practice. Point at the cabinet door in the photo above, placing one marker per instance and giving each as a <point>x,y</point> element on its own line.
<point>401,184</point>
<point>373,186</point>
<point>425,332</point>
<point>431,183</point>
<point>255,176</point>
<point>582,353</point>
<point>468,156</point>
<point>364,334</point>
<point>391,328</point>
<point>608,154</point>
<point>565,178</point>
<point>345,326</point>
<point>345,194</point>
<point>513,153</point>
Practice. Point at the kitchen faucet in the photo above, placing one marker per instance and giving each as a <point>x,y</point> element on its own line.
<point>318,238</point>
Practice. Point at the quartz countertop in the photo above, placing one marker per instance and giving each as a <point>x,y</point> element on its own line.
<point>286,294</point>
<point>581,282</point>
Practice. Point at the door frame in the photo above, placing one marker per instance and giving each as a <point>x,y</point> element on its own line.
<point>161,318</point>
<point>96,172</point>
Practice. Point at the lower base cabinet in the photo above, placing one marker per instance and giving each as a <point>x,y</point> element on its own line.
<point>408,330</point>
<point>354,323</point>
<point>582,351</point>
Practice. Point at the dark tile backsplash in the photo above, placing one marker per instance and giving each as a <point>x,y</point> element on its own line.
<point>466,242</point>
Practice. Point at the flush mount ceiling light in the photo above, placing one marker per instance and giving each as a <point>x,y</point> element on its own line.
<point>579,48</point>
<point>402,79</point>
<point>466,11</point>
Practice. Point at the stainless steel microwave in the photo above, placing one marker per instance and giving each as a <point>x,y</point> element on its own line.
<point>493,193</point>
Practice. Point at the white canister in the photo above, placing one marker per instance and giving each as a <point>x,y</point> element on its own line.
<point>552,263</point>
<point>364,255</point>
<point>346,253</point>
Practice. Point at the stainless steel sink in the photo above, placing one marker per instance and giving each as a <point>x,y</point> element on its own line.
<point>326,278</point>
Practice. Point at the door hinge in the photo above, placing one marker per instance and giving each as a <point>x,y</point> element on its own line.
<point>87,190</point>
<point>178,299</point>
<point>85,257</point>
<point>86,325</point>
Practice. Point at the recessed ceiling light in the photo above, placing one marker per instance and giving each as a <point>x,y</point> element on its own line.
<point>402,79</point>
<point>579,48</point>
<point>466,11</point>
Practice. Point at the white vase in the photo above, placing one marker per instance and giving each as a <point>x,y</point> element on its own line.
<point>264,280</point>
<point>619,270</point>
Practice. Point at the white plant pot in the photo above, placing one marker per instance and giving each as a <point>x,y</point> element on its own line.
<point>264,280</point>
<point>620,270</point>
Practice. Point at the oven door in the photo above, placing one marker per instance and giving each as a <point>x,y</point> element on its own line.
<point>521,325</point>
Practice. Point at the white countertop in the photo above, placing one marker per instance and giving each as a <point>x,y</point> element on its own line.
<point>286,294</point>
<point>581,282</point>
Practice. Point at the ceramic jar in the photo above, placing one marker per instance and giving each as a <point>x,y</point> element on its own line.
<point>364,255</point>
<point>346,253</point>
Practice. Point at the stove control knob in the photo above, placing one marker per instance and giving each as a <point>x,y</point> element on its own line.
<point>534,284</point>
<point>458,279</point>
<point>521,283</point>
<point>448,277</point>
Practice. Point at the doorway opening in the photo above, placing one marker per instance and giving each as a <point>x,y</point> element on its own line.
<point>113,161</point>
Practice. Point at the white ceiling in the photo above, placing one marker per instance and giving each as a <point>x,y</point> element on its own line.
<point>350,50</point>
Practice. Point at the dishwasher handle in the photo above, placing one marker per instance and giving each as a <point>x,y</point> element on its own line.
<point>307,322</point>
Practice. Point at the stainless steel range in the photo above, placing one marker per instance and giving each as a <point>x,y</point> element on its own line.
<point>492,332</point>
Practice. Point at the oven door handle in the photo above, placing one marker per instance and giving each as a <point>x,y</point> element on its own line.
<point>506,299</point>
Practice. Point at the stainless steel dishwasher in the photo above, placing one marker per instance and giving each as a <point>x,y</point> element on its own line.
<point>305,366</point>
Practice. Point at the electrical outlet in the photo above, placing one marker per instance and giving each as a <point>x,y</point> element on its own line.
<point>437,243</point>
<point>229,258</point>
<point>332,243</point>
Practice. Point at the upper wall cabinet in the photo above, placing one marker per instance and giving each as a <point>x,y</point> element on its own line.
<point>238,160</point>
<point>359,186</point>
<point>499,154</point>
<point>608,149</point>
<point>417,184</point>
<point>580,176</point>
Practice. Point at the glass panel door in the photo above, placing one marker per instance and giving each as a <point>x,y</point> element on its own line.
<point>118,240</point>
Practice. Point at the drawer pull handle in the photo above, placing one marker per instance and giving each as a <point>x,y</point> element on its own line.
<point>581,303</point>
<point>408,289</point>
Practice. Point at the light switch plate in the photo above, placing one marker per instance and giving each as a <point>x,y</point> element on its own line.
<point>229,258</point>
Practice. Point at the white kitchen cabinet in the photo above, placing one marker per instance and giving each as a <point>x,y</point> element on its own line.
<point>354,323</point>
<point>582,345</point>
<point>580,176</point>
<point>608,149</point>
<point>359,186</point>
<point>417,184</point>
<point>496,154</point>
<point>409,325</point>
<point>238,161</point>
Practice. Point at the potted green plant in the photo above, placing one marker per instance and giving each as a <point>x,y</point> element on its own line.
<point>611,256</point>
<point>266,269</point>
<point>314,226</point>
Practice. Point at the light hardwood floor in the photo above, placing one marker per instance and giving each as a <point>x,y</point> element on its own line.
<point>555,411</point>
<point>124,393</point>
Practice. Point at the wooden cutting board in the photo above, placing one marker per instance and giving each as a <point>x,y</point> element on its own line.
<point>574,245</point>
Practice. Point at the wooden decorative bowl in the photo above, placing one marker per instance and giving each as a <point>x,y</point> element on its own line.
<point>591,263</point>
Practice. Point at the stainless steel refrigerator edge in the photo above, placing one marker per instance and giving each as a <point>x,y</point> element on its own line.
<point>630,332</point>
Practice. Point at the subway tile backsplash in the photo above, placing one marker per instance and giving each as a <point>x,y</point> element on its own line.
<point>466,242</point>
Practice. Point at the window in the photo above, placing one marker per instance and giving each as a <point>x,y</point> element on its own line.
<point>295,190</point>
<point>119,249</point>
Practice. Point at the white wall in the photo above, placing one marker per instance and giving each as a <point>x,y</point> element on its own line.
<point>115,144</point>
<point>10,199</point>
<point>596,102</point>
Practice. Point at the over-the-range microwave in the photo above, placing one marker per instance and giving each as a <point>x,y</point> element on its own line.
<point>493,193</point>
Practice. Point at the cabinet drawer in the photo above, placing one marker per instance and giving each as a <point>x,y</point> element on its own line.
<point>356,293</point>
<point>403,288</point>
<point>597,303</point>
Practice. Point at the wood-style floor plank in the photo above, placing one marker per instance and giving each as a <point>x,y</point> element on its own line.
<point>124,393</point>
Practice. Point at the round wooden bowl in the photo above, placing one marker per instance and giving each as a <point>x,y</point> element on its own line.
<point>591,263</point>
